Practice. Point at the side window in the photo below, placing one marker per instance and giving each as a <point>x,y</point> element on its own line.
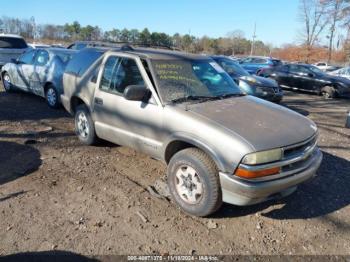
<point>42,58</point>
<point>119,73</point>
<point>247,60</point>
<point>259,61</point>
<point>284,68</point>
<point>294,69</point>
<point>27,57</point>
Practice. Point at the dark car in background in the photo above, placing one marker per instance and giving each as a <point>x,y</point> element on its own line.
<point>254,64</point>
<point>264,88</point>
<point>308,78</point>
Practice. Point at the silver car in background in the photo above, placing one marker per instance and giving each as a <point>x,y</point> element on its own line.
<point>11,47</point>
<point>343,72</point>
<point>38,71</point>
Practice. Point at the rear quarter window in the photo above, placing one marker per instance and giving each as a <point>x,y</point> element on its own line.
<point>12,42</point>
<point>82,61</point>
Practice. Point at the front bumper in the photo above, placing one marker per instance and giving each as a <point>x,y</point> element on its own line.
<point>242,192</point>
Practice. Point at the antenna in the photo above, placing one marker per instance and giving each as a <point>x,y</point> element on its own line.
<point>253,41</point>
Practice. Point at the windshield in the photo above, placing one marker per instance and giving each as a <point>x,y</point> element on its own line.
<point>180,79</point>
<point>231,67</point>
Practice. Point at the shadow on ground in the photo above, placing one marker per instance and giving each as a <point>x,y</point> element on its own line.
<point>44,256</point>
<point>17,160</point>
<point>323,195</point>
<point>19,106</point>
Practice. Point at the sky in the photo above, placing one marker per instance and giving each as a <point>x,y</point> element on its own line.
<point>276,20</point>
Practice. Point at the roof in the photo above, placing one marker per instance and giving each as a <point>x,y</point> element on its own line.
<point>11,35</point>
<point>161,54</point>
<point>153,53</point>
<point>58,50</point>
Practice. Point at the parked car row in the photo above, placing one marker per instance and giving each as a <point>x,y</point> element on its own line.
<point>264,88</point>
<point>220,144</point>
<point>308,78</point>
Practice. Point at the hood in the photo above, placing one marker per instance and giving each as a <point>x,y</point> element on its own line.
<point>339,79</point>
<point>259,81</point>
<point>262,124</point>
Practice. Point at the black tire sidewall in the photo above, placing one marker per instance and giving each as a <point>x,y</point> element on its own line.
<point>201,208</point>
<point>91,138</point>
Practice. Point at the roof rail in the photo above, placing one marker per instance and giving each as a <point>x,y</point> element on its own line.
<point>128,46</point>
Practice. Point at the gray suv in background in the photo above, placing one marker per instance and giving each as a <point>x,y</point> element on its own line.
<point>219,144</point>
<point>11,47</point>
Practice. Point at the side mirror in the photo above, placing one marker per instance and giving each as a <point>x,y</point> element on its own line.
<point>310,75</point>
<point>14,60</point>
<point>136,93</point>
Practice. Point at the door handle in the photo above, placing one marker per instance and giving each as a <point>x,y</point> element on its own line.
<point>98,101</point>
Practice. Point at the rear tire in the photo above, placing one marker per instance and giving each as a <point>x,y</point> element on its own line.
<point>328,92</point>
<point>84,126</point>
<point>193,182</point>
<point>6,82</point>
<point>52,97</point>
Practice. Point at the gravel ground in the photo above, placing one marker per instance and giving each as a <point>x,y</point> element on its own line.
<point>56,194</point>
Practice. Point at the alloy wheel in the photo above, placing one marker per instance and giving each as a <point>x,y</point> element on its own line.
<point>83,125</point>
<point>188,184</point>
<point>51,97</point>
<point>7,82</point>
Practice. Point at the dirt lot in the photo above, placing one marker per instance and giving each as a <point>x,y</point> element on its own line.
<point>56,194</point>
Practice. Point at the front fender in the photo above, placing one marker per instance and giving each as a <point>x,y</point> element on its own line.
<point>204,146</point>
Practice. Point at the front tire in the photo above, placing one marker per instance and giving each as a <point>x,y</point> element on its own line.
<point>328,92</point>
<point>84,126</point>
<point>194,183</point>
<point>52,97</point>
<point>7,83</point>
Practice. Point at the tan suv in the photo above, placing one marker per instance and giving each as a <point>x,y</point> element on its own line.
<point>219,144</point>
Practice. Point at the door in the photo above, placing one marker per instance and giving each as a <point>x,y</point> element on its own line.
<point>134,124</point>
<point>281,75</point>
<point>40,73</point>
<point>297,77</point>
<point>24,70</point>
<point>310,79</point>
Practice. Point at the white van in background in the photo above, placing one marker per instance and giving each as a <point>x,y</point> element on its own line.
<point>11,47</point>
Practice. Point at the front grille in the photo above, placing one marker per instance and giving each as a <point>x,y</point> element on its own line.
<point>307,148</point>
<point>292,151</point>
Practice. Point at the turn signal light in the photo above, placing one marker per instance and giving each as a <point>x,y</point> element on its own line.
<point>255,174</point>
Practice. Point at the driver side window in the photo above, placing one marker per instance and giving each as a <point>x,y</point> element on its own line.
<point>118,73</point>
<point>27,58</point>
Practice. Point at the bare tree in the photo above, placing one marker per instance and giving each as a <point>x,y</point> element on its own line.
<point>313,16</point>
<point>334,12</point>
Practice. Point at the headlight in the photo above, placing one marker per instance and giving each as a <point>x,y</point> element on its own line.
<point>263,157</point>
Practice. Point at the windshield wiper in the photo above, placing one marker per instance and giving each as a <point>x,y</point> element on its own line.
<point>204,98</point>
<point>192,98</point>
<point>228,95</point>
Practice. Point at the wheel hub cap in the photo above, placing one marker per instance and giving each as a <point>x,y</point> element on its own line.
<point>188,185</point>
<point>83,126</point>
<point>51,97</point>
<point>7,82</point>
